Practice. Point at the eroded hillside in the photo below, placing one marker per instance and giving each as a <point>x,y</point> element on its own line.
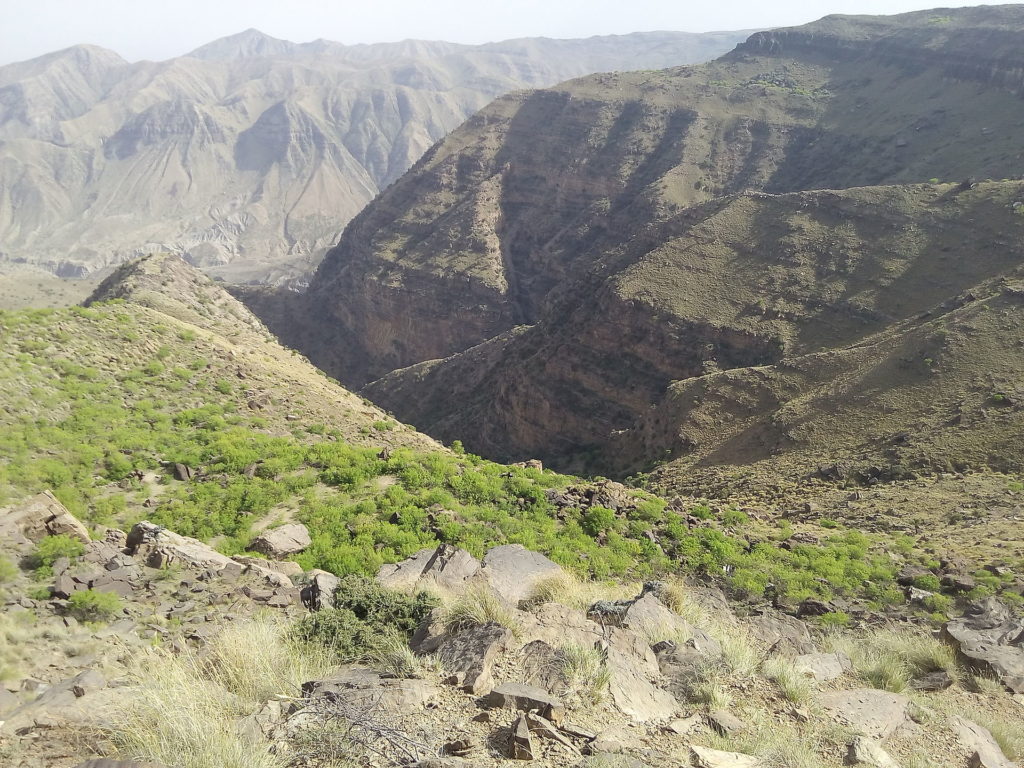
<point>541,277</point>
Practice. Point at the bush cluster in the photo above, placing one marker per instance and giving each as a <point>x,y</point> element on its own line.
<point>366,619</point>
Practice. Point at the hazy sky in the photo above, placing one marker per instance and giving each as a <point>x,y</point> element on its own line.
<point>160,29</point>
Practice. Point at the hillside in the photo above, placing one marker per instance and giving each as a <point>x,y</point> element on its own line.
<point>567,254</point>
<point>249,155</point>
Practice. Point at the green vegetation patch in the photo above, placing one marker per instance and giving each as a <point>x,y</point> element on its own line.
<point>86,415</point>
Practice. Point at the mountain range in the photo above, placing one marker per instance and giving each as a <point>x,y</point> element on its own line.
<point>713,264</point>
<point>248,155</point>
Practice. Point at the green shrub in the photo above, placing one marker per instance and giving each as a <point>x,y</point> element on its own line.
<point>734,518</point>
<point>929,582</point>
<point>8,570</point>
<point>344,634</point>
<point>91,605</point>
<point>598,520</point>
<point>834,619</point>
<point>379,606</point>
<point>52,548</point>
<point>39,592</point>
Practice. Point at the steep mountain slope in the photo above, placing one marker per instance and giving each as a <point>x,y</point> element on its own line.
<point>785,282</point>
<point>562,258</point>
<point>249,155</point>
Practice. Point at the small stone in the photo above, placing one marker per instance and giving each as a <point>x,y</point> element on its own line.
<point>682,726</point>
<point>520,742</point>
<point>714,758</point>
<point>726,723</point>
<point>865,751</point>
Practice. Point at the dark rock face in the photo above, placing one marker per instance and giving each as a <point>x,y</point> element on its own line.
<point>991,640</point>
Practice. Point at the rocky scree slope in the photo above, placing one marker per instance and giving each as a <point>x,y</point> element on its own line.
<point>566,254</point>
<point>250,154</point>
<point>516,661</point>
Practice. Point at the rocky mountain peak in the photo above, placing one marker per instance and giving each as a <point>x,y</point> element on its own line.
<point>250,43</point>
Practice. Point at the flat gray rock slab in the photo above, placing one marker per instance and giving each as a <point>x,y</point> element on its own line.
<point>445,566</point>
<point>468,657</point>
<point>823,666</point>
<point>990,639</point>
<point>633,668</point>
<point>279,543</point>
<point>512,571</point>
<point>366,688</point>
<point>874,713</point>
<point>977,739</point>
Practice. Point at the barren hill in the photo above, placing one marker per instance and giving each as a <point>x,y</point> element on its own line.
<point>250,154</point>
<point>552,267</point>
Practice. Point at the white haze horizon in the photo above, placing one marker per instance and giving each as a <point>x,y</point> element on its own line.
<point>150,30</point>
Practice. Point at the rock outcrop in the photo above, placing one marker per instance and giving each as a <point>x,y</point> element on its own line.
<point>991,640</point>
<point>282,542</point>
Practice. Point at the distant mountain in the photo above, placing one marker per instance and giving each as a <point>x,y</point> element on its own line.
<point>250,154</point>
<point>779,256</point>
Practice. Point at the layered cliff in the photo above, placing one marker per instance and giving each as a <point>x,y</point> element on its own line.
<point>540,191</point>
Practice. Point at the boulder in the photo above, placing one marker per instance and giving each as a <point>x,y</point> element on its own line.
<point>726,723</point>
<point>468,656</point>
<point>41,516</point>
<point>989,639</point>
<point>647,615</point>
<point>939,680</point>
<point>318,594</point>
<point>520,743</point>
<point>559,625</point>
<point>715,758</point>
<point>158,547</point>
<point>611,741</point>
<point>985,750</point>
<point>865,751</point>
<point>823,666</point>
<point>512,571</point>
<point>365,688</point>
<point>542,665</point>
<point>431,632</point>
<point>279,543</point>
<point>526,698</point>
<point>58,702</point>
<point>684,726</point>
<point>874,713</point>
<point>786,635</point>
<point>633,666</point>
<point>446,567</point>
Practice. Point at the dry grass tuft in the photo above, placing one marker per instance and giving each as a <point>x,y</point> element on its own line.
<point>794,684</point>
<point>778,745</point>
<point>185,707</point>
<point>394,656</point>
<point>585,673</point>
<point>477,606</point>
<point>568,589</point>
<point>889,659</point>
<point>1008,733</point>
